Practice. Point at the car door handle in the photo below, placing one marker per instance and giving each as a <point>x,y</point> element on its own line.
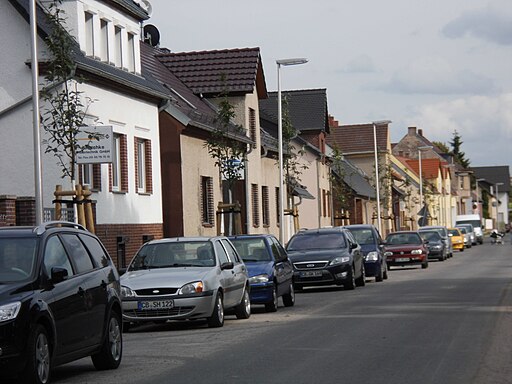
<point>81,292</point>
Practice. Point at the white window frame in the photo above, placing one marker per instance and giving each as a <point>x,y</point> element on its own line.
<point>116,164</point>
<point>141,165</point>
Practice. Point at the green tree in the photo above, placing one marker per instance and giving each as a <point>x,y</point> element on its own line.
<point>65,106</point>
<point>456,145</point>
<point>442,146</point>
<point>227,152</point>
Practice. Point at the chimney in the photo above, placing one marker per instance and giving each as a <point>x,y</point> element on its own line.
<point>332,122</point>
<point>411,131</point>
<point>420,132</point>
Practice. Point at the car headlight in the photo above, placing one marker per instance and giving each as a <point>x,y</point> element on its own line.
<point>9,311</point>
<point>126,292</point>
<point>416,252</point>
<point>372,256</point>
<point>339,260</point>
<point>259,279</point>
<point>388,253</point>
<point>195,287</point>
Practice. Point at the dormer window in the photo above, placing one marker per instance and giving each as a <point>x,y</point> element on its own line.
<point>131,52</point>
<point>118,52</point>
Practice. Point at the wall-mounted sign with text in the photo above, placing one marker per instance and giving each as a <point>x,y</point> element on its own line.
<point>95,145</point>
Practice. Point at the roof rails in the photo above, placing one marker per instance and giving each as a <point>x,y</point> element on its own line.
<point>40,229</point>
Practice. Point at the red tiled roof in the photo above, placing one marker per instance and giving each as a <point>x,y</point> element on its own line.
<point>429,167</point>
<point>358,138</point>
<point>211,72</point>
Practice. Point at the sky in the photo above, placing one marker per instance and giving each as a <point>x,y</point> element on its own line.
<point>442,66</point>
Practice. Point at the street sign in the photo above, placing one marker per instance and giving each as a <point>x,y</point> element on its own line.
<point>95,145</point>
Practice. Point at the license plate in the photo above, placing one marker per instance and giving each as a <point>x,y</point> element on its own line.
<point>402,260</point>
<point>153,305</point>
<point>311,274</point>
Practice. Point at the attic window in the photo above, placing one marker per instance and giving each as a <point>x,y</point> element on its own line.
<point>252,126</point>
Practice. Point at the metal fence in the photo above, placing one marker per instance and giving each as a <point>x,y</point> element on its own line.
<point>67,214</point>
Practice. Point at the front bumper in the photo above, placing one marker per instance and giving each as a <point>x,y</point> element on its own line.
<point>184,307</point>
<point>12,348</point>
<point>404,260</point>
<point>372,268</point>
<point>435,253</point>
<point>329,275</point>
<point>262,293</point>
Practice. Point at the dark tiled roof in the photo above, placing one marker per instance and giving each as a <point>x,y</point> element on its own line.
<point>198,112</point>
<point>130,7</point>
<point>212,72</point>
<point>351,139</point>
<point>307,109</point>
<point>493,175</point>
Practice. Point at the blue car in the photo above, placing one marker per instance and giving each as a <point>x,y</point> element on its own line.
<point>270,270</point>
<point>370,241</point>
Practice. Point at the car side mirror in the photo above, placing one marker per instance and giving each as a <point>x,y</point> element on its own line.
<point>227,265</point>
<point>59,274</point>
<point>353,246</point>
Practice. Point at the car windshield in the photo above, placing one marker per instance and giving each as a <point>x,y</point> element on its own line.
<point>462,230</point>
<point>317,241</point>
<point>430,236</point>
<point>173,255</point>
<point>403,238</point>
<point>252,250</point>
<point>17,259</point>
<point>363,236</point>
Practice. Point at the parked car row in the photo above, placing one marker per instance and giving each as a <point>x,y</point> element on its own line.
<point>61,297</point>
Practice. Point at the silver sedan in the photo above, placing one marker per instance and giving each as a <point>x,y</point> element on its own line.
<point>185,278</point>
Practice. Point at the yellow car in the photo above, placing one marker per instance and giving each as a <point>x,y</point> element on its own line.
<point>456,238</point>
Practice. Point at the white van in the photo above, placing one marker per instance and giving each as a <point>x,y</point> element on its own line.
<point>475,221</point>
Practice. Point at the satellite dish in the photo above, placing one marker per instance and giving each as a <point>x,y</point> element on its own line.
<point>151,35</point>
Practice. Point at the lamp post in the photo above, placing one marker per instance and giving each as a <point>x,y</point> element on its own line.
<point>377,183</point>
<point>282,62</point>
<point>420,149</point>
<point>478,196</point>
<point>497,205</point>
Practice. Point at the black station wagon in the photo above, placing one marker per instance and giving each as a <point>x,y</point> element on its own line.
<point>59,301</point>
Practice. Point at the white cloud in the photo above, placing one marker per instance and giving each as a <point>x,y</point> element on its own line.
<point>484,123</point>
<point>360,64</point>
<point>436,76</point>
<point>491,24</point>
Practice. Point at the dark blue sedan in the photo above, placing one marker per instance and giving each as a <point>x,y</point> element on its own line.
<point>270,270</point>
<point>370,241</point>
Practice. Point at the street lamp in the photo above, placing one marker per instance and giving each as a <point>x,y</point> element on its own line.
<point>420,149</point>
<point>375,150</point>
<point>282,62</point>
<point>497,205</point>
<point>478,196</point>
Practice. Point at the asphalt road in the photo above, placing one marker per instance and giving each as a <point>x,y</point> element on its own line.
<point>450,323</point>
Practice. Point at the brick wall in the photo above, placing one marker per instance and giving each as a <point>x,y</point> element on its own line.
<point>132,236</point>
<point>25,211</point>
<point>7,210</point>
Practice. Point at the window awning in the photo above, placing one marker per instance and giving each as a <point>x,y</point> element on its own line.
<point>301,191</point>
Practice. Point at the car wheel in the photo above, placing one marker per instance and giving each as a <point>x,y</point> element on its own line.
<point>424,265</point>
<point>111,352</point>
<point>379,276</point>
<point>289,298</point>
<point>462,249</point>
<point>272,306</point>
<point>351,283</point>
<point>38,367</point>
<point>243,310</point>
<point>217,318</point>
<point>298,287</point>
<point>361,280</point>
<point>385,274</point>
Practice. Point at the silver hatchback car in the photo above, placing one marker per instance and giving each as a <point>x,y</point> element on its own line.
<point>185,278</point>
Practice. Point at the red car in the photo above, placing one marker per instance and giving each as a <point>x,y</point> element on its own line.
<point>405,248</point>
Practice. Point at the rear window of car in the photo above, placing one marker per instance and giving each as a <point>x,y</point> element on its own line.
<point>317,240</point>
<point>430,236</point>
<point>454,232</point>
